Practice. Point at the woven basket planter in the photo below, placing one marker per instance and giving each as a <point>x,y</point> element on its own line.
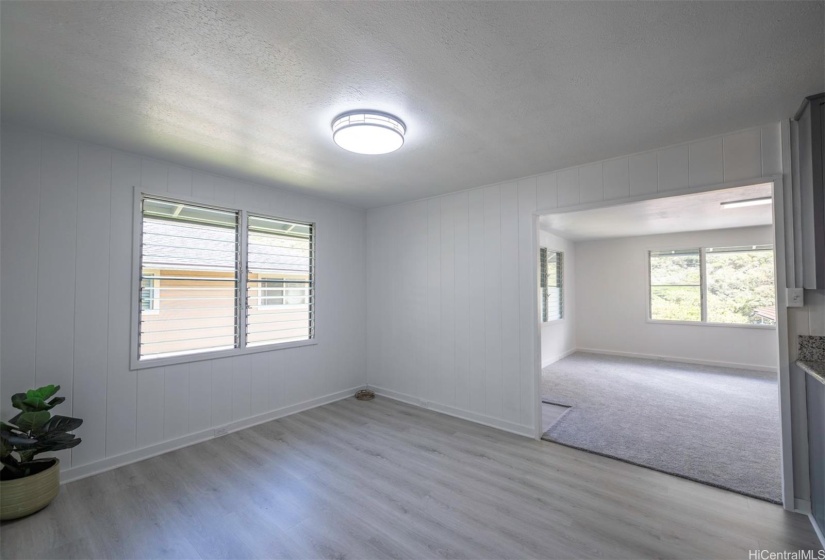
<point>24,496</point>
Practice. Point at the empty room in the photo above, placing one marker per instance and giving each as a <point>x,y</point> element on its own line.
<point>659,339</point>
<point>455,279</point>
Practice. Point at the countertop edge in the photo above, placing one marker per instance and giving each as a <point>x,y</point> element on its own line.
<point>814,369</point>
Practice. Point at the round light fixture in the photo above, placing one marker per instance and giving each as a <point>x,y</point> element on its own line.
<point>368,132</point>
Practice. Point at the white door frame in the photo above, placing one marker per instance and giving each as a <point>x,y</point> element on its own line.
<point>783,367</point>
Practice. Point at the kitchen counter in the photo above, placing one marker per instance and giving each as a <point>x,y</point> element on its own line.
<point>814,369</point>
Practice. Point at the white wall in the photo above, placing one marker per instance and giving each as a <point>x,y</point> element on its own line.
<point>451,279</point>
<point>558,338</point>
<point>611,310</point>
<point>66,276</point>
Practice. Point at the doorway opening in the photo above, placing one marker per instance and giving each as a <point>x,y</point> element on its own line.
<point>659,336</point>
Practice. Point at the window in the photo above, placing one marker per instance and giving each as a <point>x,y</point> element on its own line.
<point>740,285</point>
<point>675,285</point>
<point>551,284</point>
<point>230,280</point>
<point>274,293</point>
<point>720,285</point>
<point>149,293</point>
<point>283,308</point>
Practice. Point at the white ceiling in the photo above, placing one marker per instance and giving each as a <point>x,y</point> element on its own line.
<point>490,91</point>
<point>693,212</point>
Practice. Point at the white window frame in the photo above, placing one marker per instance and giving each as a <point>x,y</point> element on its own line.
<point>703,291</point>
<point>154,300</point>
<point>562,288</point>
<point>135,363</point>
<point>263,289</point>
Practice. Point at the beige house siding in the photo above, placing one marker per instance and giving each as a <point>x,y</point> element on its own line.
<point>186,311</point>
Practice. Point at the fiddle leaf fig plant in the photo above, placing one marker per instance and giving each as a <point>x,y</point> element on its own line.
<point>34,431</point>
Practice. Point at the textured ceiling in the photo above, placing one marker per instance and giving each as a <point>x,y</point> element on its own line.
<point>693,212</point>
<point>489,90</point>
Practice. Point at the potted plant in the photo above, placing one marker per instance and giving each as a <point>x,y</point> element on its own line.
<point>27,484</point>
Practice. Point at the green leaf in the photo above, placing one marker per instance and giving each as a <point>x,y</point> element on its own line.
<point>62,424</point>
<point>35,403</point>
<point>9,460</point>
<point>27,455</point>
<point>35,399</point>
<point>16,419</point>
<point>17,401</point>
<point>17,441</point>
<point>63,445</point>
<point>55,438</point>
<point>33,421</point>
<point>56,401</point>
<point>43,393</point>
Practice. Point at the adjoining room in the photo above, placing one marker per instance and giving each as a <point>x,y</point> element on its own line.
<point>659,339</point>
<point>415,280</point>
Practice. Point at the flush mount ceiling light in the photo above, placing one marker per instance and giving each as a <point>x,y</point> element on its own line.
<point>368,132</point>
<point>749,202</point>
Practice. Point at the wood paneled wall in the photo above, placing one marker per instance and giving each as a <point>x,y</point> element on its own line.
<point>452,301</point>
<point>67,210</point>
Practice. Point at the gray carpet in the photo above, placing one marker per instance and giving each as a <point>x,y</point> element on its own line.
<point>715,425</point>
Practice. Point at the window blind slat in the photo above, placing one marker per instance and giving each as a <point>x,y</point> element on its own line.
<point>280,289</point>
<point>551,284</point>
<point>189,261</point>
<point>191,269</point>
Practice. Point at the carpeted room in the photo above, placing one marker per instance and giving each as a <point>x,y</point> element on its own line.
<point>204,261</point>
<point>697,395</point>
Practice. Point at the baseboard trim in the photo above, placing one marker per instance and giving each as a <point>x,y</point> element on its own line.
<point>109,463</point>
<point>817,530</point>
<point>681,360</point>
<point>801,506</point>
<point>513,428</point>
<point>557,357</point>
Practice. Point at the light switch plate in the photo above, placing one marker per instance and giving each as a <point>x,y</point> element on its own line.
<point>796,297</point>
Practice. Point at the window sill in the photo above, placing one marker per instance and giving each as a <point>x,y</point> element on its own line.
<point>552,322</point>
<point>214,355</point>
<point>701,324</point>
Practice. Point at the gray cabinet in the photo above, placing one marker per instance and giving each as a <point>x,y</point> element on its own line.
<point>816,448</point>
<point>808,138</point>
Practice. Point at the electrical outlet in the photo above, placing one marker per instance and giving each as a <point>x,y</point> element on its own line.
<point>795,297</point>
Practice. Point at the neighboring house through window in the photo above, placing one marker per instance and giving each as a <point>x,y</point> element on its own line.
<point>149,292</point>
<point>273,293</point>
<point>231,280</point>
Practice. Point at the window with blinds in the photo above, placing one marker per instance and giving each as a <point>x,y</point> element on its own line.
<point>216,280</point>
<point>280,293</point>
<point>551,284</point>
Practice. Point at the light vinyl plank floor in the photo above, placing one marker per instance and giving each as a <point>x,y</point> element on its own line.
<point>382,479</point>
